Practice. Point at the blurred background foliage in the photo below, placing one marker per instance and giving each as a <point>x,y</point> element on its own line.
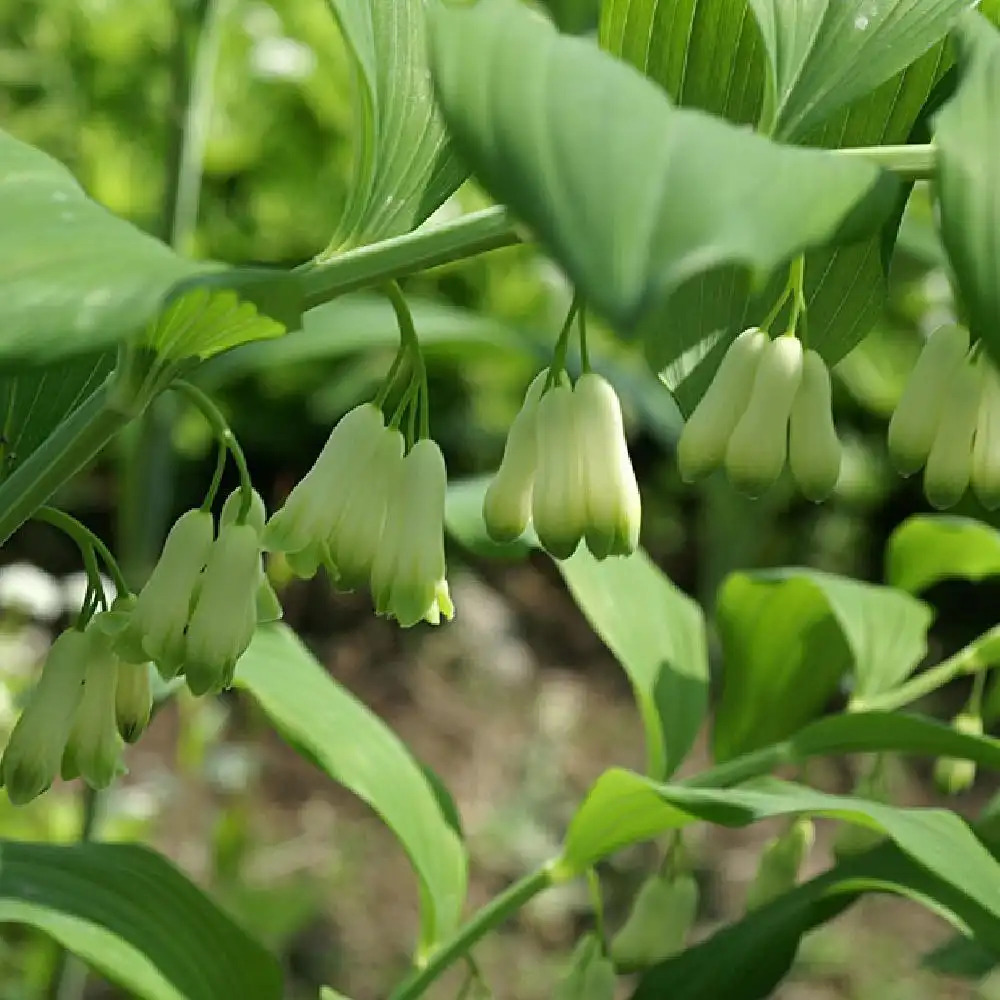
<point>517,705</point>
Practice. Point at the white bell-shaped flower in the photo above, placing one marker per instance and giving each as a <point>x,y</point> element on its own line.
<point>949,464</point>
<point>507,504</point>
<point>558,501</point>
<point>986,449</point>
<point>302,527</point>
<point>31,759</point>
<point>757,449</point>
<point>357,535</point>
<point>705,437</point>
<point>408,572</point>
<point>160,616</point>
<point>94,748</point>
<point>268,606</point>
<point>614,508</point>
<point>133,700</point>
<point>914,423</point>
<point>225,613</point>
<point>814,453</point>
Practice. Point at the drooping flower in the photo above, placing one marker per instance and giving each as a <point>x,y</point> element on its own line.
<point>408,571</point>
<point>268,606</point>
<point>954,775</point>
<point>986,449</point>
<point>758,446</point>
<point>814,453</point>
<point>133,700</point>
<point>158,620</point>
<point>302,527</point>
<point>224,617</point>
<point>31,759</point>
<point>658,923</point>
<point>949,464</point>
<point>611,492</point>
<point>94,748</point>
<point>507,504</point>
<point>705,437</point>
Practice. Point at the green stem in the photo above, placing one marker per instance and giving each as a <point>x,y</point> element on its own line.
<point>751,765</point>
<point>581,317</point>
<point>70,447</point>
<point>495,912</point>
<point>596,904</point>
<point>562,345</point>
<point>85,539</point>
<point>410,343</point>
<point>909,163</point>
<point>973,658</point>
<point>213,486</point>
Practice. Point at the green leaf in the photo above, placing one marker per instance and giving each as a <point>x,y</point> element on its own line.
<point>828,53</point>
<point>37,399</point>
<point>352,745</point>
<point>967,134</point>
<point>706,54</point>
<point>624,808</point>
<point>135,918</point>
<point>657,634</point>
<point>789,636</point>
<point>74,279</point>
<point>404,166</point>
<point>552,127</point>
<point>747,960</point>
<point>963,958</point>
<point>928,548</point>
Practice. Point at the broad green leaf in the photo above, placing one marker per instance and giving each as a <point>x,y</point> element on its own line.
<point>928,548</point>
<point>790,636</point>
<point>967,134</point>
<point>37,399</point>
<point>962,957</point>
<point>404,166</point>
<point>825,54</point>
<point>657,634</point>
<point>552,127</point>
<point>574,16</point>
<point>747,960</point>
<point>624,808</point>
<point>135,918</point>
<point>707,54</point>
<point>74,279</point>
<point>353,746</point>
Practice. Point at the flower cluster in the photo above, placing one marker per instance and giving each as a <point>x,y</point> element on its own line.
<point>769,402</point>
<point>566,469</point>
<point>86,703</point>
<point>371,513</point>
<point>948,421</point>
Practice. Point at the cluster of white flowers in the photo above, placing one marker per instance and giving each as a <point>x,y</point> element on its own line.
<point>372,513</point>
<point>948,421</point>
<point>566,469</point>
<point>769,402</point>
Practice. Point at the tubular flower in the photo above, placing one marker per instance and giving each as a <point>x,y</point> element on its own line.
<point>756,451</point>
<point>31,759</point>
<point>914,423</point>
<point>986,449</point>
<point>703,442</point>
<point>225,613</point>
<point>949,464</point>
<point>610,490</point>
<point>268,605</point>
<point>302,527</point>
<point>813,447</point>
<point>780,861</point>
<point>507,504</point>
<point>408,571</point>
<point>953,775</point>
<point>356,537</point>
<point>94,748</point>
<point>658,924</point>
<point>591,975</point>
<point>133,700</point>
<point>160,616</point>
<point>558,501</point>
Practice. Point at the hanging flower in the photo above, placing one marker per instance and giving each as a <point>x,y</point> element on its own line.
<point>267,603</point>
<point>814,453</point>
<point>408,572</point>
<point>31,759</point>
<point>949,464</point>
<point>986,450</point>
<point>133,700</point>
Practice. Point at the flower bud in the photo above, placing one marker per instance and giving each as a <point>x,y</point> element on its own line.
<point>133,700</point>
<point>986,448</point>
<point>94,748</point>
<point>225,614</point>
<point>507,504</point>
<point>706,434</point>
<point>163,606</point>
<point>756,452</point>
<point>558,501</point>
<point>591,975</point>
<point>813,447</point>
<point>614,508</point>
<point>949,465</point>
<point>408,572</point>
<point>953,775</point>
<point>304,524</point>
<point>780,861</point>
<point>914,423</point>
<point>658,923</point>
<point>30,761</point>
<point>357,536</point>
